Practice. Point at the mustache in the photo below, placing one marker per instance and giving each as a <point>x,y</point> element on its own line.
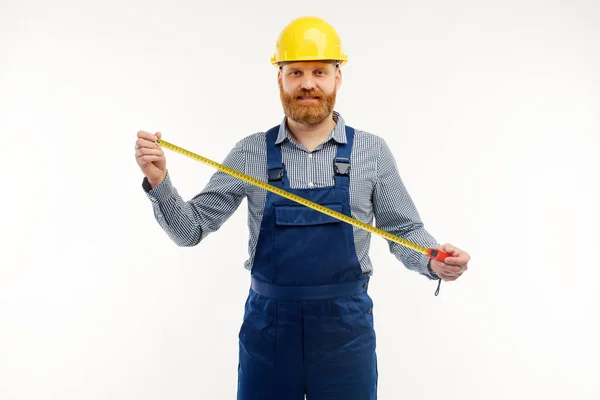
<point>307,93</point>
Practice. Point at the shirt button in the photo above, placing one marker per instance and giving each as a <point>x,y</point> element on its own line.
<point>311,184</point>
<point>309,155</point>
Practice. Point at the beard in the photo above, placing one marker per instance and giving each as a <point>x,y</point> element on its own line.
<point>311,113</point>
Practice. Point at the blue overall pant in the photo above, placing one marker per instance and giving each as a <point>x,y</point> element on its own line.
<point>308,322</point>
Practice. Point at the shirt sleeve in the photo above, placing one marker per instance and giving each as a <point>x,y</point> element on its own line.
<point>396,213</point>
<point>187,223</point>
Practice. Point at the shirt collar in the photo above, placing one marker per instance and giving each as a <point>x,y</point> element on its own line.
<point>338,133</point>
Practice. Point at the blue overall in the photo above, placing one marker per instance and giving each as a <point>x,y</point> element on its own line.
<point>308,321</point>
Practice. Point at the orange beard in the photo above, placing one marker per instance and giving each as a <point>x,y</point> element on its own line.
<point>308,114</point>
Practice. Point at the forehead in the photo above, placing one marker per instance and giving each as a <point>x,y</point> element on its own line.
<point>309,65</point>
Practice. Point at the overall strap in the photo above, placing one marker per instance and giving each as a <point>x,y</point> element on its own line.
<point>341,164</point>
<point>275,166</point>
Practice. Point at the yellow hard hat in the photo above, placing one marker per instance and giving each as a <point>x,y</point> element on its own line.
<point>308,39</point>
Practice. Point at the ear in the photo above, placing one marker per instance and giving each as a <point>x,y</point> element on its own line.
<point>338,78</point>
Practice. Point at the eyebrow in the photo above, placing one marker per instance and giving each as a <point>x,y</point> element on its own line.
<point>323,68</point>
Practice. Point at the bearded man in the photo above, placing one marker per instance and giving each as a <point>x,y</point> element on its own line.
<point>308,327</point>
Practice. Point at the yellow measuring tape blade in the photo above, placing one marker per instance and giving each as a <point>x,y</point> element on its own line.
<point>293,197</point>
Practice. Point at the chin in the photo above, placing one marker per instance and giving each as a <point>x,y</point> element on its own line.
<point>310,121</point>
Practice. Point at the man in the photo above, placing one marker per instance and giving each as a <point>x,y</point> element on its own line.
<point>308,321</point>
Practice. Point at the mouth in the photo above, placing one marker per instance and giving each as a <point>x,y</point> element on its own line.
<point>307,98</point>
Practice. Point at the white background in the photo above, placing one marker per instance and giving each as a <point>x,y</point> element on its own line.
<point>490,107</point>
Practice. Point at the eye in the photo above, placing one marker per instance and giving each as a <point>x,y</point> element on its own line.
<point>295,73</point>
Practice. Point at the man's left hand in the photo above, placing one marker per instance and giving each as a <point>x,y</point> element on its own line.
<point>454,265</point>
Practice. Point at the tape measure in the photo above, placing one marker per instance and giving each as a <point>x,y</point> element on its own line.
<point>433,253</point>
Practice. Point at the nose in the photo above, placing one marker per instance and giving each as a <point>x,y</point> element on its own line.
<point>308,82</point>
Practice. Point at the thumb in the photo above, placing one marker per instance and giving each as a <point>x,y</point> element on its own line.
<point>448,248</point>
<point>158,135</point>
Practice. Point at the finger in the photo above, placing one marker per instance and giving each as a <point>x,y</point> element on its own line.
<point>146,135</point>
<point>452,274</point>
<point>457,269</point>
<point>150,158</point>
<point>436,265</point>
<point>446,277</point>
<point>448,248</point>
<point>444,268</point>
<point>460,260</point>
<point>451,271</point>
<point>146,143</point>
<point>148,151</point>
<point>443,271</point>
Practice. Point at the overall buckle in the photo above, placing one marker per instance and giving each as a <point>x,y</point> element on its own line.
<point>275,174</point>
<point>341,166</point>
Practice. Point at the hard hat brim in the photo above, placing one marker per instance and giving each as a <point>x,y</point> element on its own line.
<point>343,60</point>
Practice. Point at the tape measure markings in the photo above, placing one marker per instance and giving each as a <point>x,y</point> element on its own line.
<point>431,253</point>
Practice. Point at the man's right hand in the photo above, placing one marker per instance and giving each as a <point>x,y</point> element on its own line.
<point>150,157</point>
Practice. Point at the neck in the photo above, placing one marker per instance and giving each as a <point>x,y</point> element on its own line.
<point>310,136</point>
